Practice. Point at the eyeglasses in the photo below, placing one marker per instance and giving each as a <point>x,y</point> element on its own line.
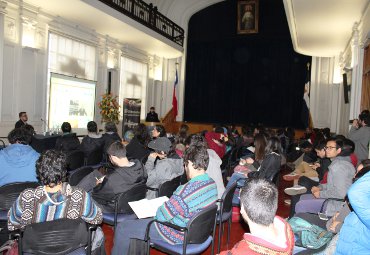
<point>329,147</point>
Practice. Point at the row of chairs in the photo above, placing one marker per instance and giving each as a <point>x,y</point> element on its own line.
<point>76,159</point>
<point>203,224</point>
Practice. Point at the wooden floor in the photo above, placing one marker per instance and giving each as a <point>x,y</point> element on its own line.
<point>237,229</point>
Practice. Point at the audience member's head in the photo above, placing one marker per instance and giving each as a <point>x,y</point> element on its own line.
<point>320,149</point>
<point>196,160</point>
<point>110,127</point>
<point>159,131</point>
<point>20,136</point>
<point>117,149</point>
<point>260,143</point>
<point>273,145</point>
<point>29,128</point>
<point>259,201</point>
<point>326,132</point>
<point>161,145</point>
<point>333,147</point>
<point>51,168</point>
<point>23,116</point>
<point>92,127</point>
<point>348,147</point>
<point>66,127</point>
<point>197,140</point>
<point>141,133</point>
<point>364,118</point>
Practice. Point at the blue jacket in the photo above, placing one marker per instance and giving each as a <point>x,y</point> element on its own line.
<point>354,236</point>
<point>17,164</point>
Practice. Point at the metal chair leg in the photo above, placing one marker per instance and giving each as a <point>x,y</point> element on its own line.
<point>228,231</point>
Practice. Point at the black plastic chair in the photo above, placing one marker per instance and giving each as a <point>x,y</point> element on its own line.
<point>75,159</point>
<point>167,188</point>
<point>57,237</point>
<point>2,146</point>
<point>94,158</point>
<point>77,175</point>
<point>225,213</point>
<point>122,209</point>
<point>10,192</point>
<point>198,234</point>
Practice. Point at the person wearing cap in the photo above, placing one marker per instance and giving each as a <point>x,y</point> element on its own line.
<point>105,185</point>
<point>167,166</point>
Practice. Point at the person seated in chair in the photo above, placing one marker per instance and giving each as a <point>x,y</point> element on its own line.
<point>17,161</point>
<point>125,175</point>
<point>93,141</point>
<point>269,234</point>
<point>167,167</point>
<point>68,141</point>
<point>198,193</point>
<point>110,136</point>
<point>54,199</point>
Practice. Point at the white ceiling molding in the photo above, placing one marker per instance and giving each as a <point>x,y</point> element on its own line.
<point>322,28</point>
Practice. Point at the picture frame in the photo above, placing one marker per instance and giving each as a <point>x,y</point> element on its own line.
<point>248,12</point>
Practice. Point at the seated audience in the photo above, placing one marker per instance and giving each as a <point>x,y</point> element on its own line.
<point>354,235</point>
<point>93,141</point>
<point>158,131</point>
<point>180,139</point>
<point>360,135</point>
<point>110,136</point>
<point>214,165</point>
<point>17,161</point>
<point>216,141</point>
<point>138,146</point>
<point>307,183</point>
<point>54,199</point>
<point>188,199</point>
<point>268,169</point>
<point>152,116</point>
<point>340,175</point>
<point>68,141</point>
<point>124,175</point>
<point>269,234</point>
<point>162,165</point>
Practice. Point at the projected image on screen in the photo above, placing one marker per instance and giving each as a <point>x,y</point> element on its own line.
<point>72,100</point>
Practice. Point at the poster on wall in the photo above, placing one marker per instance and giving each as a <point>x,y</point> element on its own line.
<point>131,117</point>
<point>72,100</point>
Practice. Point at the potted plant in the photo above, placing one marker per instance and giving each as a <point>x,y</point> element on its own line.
<point>109,108</point>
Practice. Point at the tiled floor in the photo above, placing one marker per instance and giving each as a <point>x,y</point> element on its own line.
<point>237,229</point>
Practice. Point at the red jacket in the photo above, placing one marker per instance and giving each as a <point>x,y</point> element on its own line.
<point>220,149</point>
<point>252,245</point>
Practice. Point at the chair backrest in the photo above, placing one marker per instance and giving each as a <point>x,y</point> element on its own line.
<point>202,224</point>
<point>10,192</point>
<point>75,159</point>
<point>77,175</point>
<point>275,179</point>
<point>54,237</point>
<point>167,188</point>
<point>2,146</point>
<point>95,157</point>
<point>136,193</point>
<point>227,198</point>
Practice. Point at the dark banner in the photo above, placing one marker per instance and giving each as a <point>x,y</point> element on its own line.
<point>131,117</point>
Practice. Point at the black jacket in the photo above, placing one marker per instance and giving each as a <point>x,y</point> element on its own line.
<point>90,144</point>
<point>152,117</point>
<point>269,167</point>
<point>109,139</point>
<point>118,180</point>
<point>137,150</point>
<point>19,124</point>
<point>67,142</point>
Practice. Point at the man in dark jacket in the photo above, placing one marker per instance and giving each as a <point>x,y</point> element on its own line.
<point>152,116</point>
<point>124,176</point>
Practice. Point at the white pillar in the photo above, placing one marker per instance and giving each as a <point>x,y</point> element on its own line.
<point>2,38</point>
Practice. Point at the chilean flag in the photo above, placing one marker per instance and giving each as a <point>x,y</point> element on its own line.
<point>174,99</point>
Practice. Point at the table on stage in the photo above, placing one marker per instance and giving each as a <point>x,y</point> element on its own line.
<point>42,142</point>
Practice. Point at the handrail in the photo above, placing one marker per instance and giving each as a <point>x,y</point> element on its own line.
<point>168,118</point>
<point>149,16</point>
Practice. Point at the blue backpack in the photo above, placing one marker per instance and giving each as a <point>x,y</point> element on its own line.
<point>308,235</point>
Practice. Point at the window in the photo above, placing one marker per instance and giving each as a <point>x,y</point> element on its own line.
<point>71,57</point>
<point>134,75</point>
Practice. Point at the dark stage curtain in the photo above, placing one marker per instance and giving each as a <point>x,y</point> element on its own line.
<point>254,78</point>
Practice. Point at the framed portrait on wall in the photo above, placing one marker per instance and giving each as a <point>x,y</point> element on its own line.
<point>247,17</point>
